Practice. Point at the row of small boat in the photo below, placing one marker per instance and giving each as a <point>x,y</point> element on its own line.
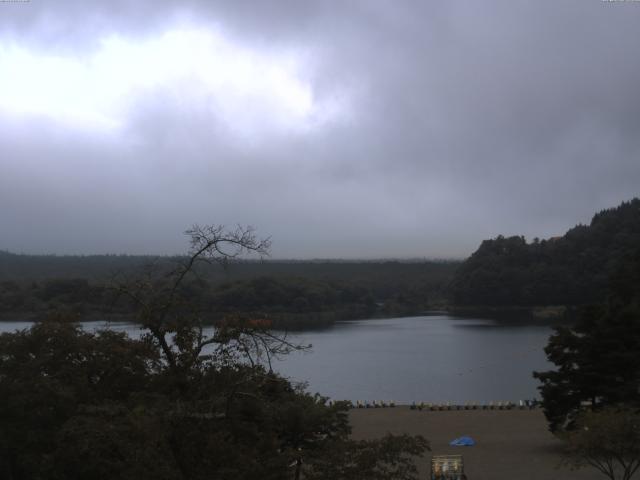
<point>374,404</point>
<point>520,405</point>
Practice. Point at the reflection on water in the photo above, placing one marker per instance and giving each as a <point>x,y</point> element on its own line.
<point>433,358</point>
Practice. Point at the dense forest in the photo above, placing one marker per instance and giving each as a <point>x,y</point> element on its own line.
<point>292,294</point>
<point>570,270</point>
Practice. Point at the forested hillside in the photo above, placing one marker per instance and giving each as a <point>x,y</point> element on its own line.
<point>570,270</point>
<point>293,293</point>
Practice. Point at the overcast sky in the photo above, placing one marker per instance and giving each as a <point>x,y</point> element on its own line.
<point>341,129</point>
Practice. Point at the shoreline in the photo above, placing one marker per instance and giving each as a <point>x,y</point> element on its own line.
<point>508,314</point>
<point>514,313</point>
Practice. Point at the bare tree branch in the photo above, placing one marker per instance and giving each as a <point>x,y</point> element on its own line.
<point>163,309</point>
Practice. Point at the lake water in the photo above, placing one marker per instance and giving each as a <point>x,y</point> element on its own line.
<point>434,358</point>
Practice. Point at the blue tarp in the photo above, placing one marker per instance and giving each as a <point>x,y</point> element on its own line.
<point>463,442</point>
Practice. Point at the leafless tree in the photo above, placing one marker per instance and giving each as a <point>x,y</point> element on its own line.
<point>607,440</point>
<point>175,323</point>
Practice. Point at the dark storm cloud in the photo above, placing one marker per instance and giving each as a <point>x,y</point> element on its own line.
<point>456,121</point>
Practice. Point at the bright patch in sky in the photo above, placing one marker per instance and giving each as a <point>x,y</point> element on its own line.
<point>247,89</point>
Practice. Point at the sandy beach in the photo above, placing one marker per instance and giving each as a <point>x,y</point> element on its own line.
<point>510,444</point>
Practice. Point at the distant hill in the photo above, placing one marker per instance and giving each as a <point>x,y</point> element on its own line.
<point>37,267</point>
<point>296,293</point>
<point>574,269</point>
<point>101,268</point>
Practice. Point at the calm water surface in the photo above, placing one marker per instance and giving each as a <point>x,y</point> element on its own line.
<point>433,358</point>
<point>430,358</point>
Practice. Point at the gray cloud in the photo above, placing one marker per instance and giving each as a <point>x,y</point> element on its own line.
<point>462,120</point>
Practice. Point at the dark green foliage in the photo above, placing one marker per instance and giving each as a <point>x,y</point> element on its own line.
<point>293,295</point>
<point>48,373</point>
<point>379,275</point>
<point>598,359</point>
<point>79,405</point>
<point>569,270</point>
<point>47,267</point>
<point>607,440</point>
<point>292,301</point>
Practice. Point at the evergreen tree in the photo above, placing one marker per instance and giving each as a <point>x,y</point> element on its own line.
<point>598,359</point>
<point>570,270</point>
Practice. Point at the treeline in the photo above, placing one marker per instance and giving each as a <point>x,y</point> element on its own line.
<point>570,270</point>
<point>291,294</point>
<point>104,267</point>
<point>94,267</point>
